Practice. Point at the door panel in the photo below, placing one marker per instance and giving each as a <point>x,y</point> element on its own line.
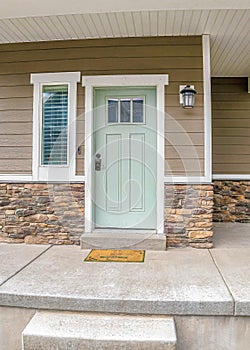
<point>125,141</point>
<point>137,171</point>
<point>113,172</point>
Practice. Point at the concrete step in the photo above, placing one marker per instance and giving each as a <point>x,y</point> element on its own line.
<point>81,331</point>
<point>123,240</point>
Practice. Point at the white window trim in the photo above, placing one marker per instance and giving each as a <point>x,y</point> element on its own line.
<point>90,82</point>
<point>55,173</point>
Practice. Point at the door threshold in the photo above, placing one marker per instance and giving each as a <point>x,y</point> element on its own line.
<point>122,230</point>
<point>121,239</point>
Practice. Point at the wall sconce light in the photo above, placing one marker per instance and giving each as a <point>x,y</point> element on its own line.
<point>187,93</point>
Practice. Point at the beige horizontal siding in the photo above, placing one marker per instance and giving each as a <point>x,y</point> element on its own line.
<point>16,116</point>
<point>232,123</point>
<point>14,141</point>
<point>184,129</point>
<point>236,168</point>
<point>185,114</point>
<point>176,126</point>
<point>231,126</point>
<point>180,57</point>
<point>223,106</point>
<point>185,139</point>
<point>16,165</point>
<point>24,152</point>
<point>98,64</point>
<point>101,52</point>
<point>16,128</point>
<point>188,152</point>
<point>224,142</point>
<point>181,166</point>
<point>232,158</point>
<point>16,91</point>
<point>16,103</point>
<point>232,132</point>
<point>72,44</point>
<point>15,80</point>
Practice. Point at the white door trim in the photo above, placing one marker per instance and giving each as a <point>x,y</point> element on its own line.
<point>90,82</point>
<point>207,107</point>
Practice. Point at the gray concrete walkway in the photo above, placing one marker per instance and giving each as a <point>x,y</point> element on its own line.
<point>178,281</point>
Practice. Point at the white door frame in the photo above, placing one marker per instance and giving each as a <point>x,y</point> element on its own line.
<point>90,82</point>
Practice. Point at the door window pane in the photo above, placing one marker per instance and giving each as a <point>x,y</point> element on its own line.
<point>138,110</point>
<point>113,110</point>
<point>54,125</point>
<point>125,110</point>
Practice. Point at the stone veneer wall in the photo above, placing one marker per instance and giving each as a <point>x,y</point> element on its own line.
<point>232,201</point>
<point>189,215</point>
<point>41,213</point>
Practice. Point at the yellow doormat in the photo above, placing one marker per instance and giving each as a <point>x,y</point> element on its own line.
<point>107,255</point>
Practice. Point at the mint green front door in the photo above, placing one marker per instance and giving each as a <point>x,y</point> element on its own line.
<point>124,158</point>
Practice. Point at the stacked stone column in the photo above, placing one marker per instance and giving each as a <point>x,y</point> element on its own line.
<point>189,215</point>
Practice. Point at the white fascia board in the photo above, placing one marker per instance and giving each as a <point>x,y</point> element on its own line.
<point>22,178</point>
<point>167,179</point>
<point>55,77</point>
<point>231,177</point>
<point>15,178</point>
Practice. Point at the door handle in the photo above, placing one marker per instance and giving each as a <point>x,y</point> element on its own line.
<point>98,162</point>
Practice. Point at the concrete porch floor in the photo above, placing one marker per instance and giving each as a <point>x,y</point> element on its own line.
<point>206,291</point>
<point>177,281</point>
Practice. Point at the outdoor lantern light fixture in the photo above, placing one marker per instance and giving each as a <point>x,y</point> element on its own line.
<point>187,96</point>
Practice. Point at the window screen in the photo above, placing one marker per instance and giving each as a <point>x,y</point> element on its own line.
<point>54,125</point>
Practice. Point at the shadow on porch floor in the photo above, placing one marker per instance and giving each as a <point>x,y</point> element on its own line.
<point>231,235</point>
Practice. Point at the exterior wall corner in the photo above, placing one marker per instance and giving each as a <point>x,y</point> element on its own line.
<point>189,215</point>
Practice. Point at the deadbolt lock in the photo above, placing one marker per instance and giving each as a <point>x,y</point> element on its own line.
<point>98,162</point>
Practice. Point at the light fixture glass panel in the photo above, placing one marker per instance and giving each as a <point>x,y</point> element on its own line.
<point>125,110</point>
<point>188,100</point>
<point>138,107</point>
<point>113,110</point>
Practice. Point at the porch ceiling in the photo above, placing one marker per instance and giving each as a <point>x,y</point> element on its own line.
<point>228,27</point>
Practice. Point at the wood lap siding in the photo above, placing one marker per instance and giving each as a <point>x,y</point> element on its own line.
<point>180,57</point>
<point>16,104</point>
<point>231,126</point>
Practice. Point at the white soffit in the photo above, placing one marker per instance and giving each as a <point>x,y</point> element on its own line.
<point>27,8</point>
<point>228,28</point>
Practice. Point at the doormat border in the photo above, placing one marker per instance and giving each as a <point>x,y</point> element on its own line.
<point>114,259</point>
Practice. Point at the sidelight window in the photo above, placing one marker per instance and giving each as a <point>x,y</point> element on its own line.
<point>54,145</point>
<point>54,125</point>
